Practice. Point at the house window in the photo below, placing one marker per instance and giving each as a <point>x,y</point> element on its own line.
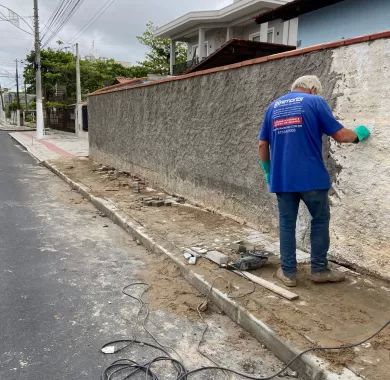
<point>256,36</point>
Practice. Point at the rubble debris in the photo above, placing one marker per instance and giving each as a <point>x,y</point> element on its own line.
<point>199,250</point>
<point>242,246</point>
<point>187,255</point>
<point>217,257</point>
<point>158,201</point>
<point>192,260</point>
<point>136,187</point>
<point>104,168</point>
<point>191,256</point>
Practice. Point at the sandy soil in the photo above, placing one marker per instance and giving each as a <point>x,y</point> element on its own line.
<point>330,314</point>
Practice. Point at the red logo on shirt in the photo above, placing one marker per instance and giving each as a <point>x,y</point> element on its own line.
<point>295,120</point>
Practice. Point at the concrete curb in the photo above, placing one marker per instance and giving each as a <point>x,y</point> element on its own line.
<point>308,366</point>
<point>20,142</point>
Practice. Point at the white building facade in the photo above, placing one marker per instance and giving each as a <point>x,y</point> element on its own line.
<point>206,31</point>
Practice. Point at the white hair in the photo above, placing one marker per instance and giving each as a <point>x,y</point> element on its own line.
<point>308,82</point>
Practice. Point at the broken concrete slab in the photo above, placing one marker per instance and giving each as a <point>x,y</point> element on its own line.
<point>217,257</point>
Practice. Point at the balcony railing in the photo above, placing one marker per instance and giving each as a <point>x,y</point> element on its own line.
<point>181,68</point>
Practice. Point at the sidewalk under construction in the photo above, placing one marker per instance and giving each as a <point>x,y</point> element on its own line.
<point>320,315</point>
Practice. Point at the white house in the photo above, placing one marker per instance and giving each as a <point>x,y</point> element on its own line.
<point>206,31</point>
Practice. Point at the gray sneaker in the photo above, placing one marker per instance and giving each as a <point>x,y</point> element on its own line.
<point>327,276</point>
<point>289,281</point>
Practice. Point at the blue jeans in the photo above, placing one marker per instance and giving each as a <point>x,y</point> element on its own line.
<point>317,203</point>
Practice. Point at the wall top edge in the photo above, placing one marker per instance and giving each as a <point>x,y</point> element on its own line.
<point>255,61</point>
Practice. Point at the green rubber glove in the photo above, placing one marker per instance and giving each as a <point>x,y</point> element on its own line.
<point>363,133</point>
<point>266,167</point>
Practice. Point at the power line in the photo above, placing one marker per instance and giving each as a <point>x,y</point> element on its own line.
<point>66,11</point>
<point>52,18</point>
<point>63,10</point>
<point>55,18</point>
<point>94,18</point>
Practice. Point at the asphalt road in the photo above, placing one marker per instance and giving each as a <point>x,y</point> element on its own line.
<point>62,268</point>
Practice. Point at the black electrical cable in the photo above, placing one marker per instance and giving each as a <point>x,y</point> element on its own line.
<point>131,367</point>
<point>121,365</point>
<point>342,347</point>
<point>144,306</point>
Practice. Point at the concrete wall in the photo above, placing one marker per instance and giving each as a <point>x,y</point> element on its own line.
<point>349,18</point>
<point>197,137</point>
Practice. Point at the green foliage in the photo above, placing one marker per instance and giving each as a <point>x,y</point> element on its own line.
<point>12,106</point>
<point>100,73</point>
<point>59,69</point>
<point>59,72</point>
<point>50,104</point>
<point>158,58</point>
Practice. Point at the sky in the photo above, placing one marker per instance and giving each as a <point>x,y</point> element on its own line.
<point>113,35</point>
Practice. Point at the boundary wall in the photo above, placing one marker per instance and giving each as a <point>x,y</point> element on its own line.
<point>195,135</point>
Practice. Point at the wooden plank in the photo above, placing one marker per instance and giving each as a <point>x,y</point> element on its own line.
<point>268,285</point>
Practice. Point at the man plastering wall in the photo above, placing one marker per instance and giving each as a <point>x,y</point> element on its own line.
<point>290,150</point>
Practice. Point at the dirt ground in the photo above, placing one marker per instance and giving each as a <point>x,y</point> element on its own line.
<point>173,319</point>
<point>326,315</point>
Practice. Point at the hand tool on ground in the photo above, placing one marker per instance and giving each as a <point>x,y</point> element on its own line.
<point>251,260</point>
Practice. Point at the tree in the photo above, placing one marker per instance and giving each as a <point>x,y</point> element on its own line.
<point>59,75</point>
<point>158,58</point>
<point>58,68</point>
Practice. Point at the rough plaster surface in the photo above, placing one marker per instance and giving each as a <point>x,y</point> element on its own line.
<point>361,201</point>
<point>197,137</point>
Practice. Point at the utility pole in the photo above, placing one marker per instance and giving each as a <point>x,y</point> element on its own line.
<point>25,103</point>
<point>38,76</point>
<point>2,113</point>
<point>17,96</point>
<point>25,95</point>
<point>78,118</point>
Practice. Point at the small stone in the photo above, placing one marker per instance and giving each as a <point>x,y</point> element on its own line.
<point>199,250</point>
<point>238,247</point>
<point>187,255</point>
<point>192,260</point>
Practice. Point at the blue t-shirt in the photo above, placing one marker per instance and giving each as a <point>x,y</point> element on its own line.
<point>293,125</point>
